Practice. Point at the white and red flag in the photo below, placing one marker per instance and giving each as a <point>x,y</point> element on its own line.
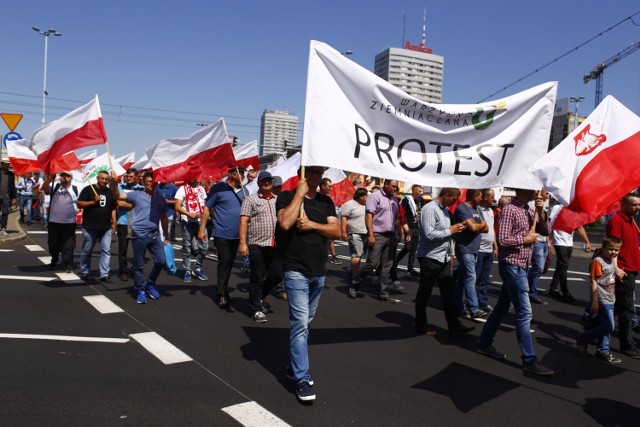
<point>247,155</point>
<point>594,166</point>
<point>127,160</point>
<point>286,170</point>
<point>83,127</point>
<point>203,154</point>
<point>342,189</point>
<point>142,163</point>
<point>86,158</point>
<point>23,160</point>
<point>101,163</point>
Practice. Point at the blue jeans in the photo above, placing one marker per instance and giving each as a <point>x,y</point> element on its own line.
<point>304,292</point>
<point>603,331</point>
<point>153,243</point>
<point>540,251</point>
<point>189,231</point>
<point>483,275</point>
<point>515,290</point>
<point>90,239</point>
<point>466,284</point>
<point>25,202</point>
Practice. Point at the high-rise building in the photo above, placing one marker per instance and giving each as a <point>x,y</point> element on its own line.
<point>278,131</point>
<point>413,69</point>
<point>564,122</point>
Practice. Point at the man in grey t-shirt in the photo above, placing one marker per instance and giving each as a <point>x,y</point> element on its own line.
<point>354,229</point>
<point>62,219</point>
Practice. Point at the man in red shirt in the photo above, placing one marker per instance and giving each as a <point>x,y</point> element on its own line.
<point>623,226</point>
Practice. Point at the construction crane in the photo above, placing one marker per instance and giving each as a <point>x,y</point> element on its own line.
<point>596,73</point>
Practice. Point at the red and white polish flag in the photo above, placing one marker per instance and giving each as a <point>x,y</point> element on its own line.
<point>247,155</point>
<point>286,170</point>
<point>594,167</point>
<point>342,189</point>
<point>23,160</point>
<point>203,154</point>
<point>88,157</point>
<point>82,127</point>
<point>127,160</point>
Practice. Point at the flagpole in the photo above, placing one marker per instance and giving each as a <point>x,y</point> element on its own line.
<point>109,155</point>
<point>244,190</point>
<point>302,205</point>
<point>84,178</point>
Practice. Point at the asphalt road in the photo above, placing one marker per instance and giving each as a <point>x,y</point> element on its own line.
<point>369,368</point>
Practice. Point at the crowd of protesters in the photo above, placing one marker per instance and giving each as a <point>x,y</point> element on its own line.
<point>285,239</point>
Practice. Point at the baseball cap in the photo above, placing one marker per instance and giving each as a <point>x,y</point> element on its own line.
<point>277,181</point>
<point>264,175</point>
<point>65,173</point>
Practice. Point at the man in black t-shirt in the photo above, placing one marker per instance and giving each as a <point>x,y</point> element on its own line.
<point>306,220</point>
<point>98,224</point>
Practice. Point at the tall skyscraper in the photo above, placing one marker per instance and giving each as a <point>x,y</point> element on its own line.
<point>278,130</point>
<point>413,69</point>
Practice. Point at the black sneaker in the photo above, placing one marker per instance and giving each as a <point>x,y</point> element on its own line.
<point>537,368</point>
<point>304,392</point>
<point>553,293</point>
<point>582,347</point>
<point>461,330</point>
<point>479,315</point>
<point>537,301</point>
<point>106,279</point>
<point>68,268</point>
<point>608,358</point>
<point>490,351</point>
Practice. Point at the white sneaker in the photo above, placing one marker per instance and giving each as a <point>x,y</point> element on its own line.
<point>3,232</point>
<point>260,317</point>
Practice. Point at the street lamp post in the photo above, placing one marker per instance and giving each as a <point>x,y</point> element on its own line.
<point>577,101</point>
<point>46,34</point>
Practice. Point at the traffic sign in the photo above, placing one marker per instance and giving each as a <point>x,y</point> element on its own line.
<point>11,120</point>
<point>11,136</point>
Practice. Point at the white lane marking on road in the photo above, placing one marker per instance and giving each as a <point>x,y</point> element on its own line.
<point>166,352</point>
<point>46,232</point>
<point>250,414</point>
<point>32,278</point>
<point>69,278</point>
<point>65,338</point>
<point>45,259</point>
<point>34,248</point>
<point>6,250</point>
<point>103,304</point>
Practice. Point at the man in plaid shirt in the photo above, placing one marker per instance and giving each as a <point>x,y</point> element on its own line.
<point>257,227</point>
<point>516,237</point>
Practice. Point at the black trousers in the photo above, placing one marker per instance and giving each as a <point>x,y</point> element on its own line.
<point>123,245</point>
<point>266,273</point>
<point>62,241</point>
<point>433,272</point>
<point>624,309</point>
<point>227,251</point>
<point>563,255</point>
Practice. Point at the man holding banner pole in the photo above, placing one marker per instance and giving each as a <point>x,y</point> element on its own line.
<point>301,241</point>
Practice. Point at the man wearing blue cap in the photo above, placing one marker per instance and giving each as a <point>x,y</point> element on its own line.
<point>257,227</point>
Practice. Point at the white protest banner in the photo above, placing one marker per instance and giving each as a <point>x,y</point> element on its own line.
<point>354,120</point>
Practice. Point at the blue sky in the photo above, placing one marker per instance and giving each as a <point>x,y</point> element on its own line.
<point>161,67</point>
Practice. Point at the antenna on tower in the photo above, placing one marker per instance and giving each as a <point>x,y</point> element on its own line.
<point>404,27</point>
<point>424,28</point>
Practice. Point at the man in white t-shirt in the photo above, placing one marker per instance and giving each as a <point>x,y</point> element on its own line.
<point>190,204</point>
<point>563,246</point>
